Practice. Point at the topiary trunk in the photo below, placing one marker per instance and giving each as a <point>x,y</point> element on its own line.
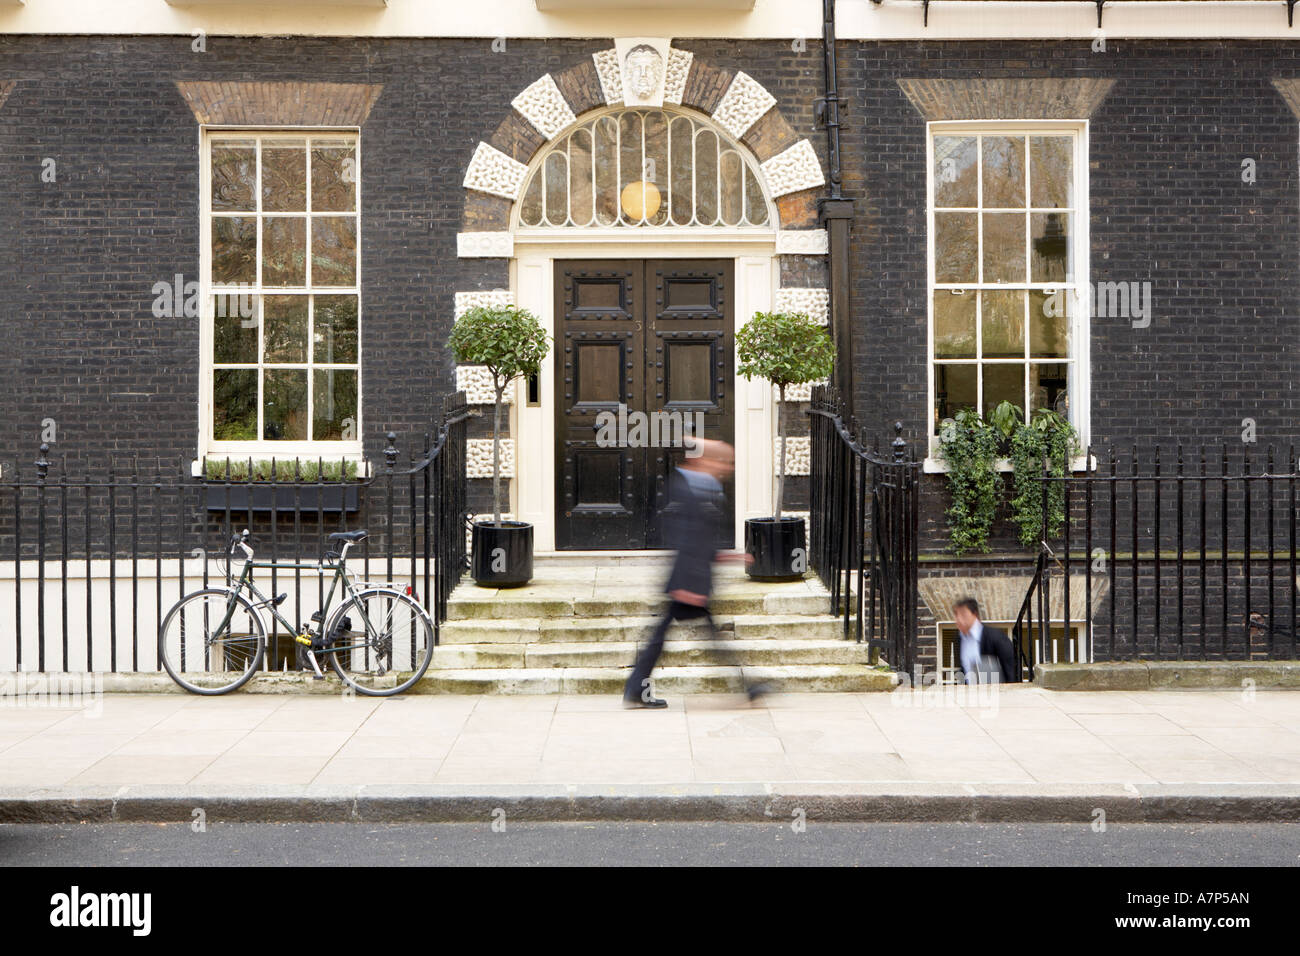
<point>496,458</point>
<point>780,430</point>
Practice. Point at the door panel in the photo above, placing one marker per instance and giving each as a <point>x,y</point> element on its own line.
<point>655,338</point>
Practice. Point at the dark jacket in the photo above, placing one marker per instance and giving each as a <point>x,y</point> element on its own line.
<point>995,643</point>
<point>691,523</point>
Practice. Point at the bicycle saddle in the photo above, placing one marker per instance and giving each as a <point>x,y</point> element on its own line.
<point>352,536</point>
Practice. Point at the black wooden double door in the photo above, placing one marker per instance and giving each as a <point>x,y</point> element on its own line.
<point>650,342</point>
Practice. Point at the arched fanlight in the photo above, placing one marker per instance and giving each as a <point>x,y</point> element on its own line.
<point>643,168</point>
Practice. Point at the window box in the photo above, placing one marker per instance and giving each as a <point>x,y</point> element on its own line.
<point>342,497</point>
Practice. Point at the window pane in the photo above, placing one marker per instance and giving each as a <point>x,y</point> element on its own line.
<point>531,213</point>
<point>284,251</point>
<point>954,325</point>
<point>582,207</point>
<point>955,171</point>
<point>333,250</point>
<point>1002,324</point>
<point>1049,323</point>
<point>955,247</point>
<point>733,171</point>
<point>1051,171</point>
<point>755,207</point>
<point>234,336</point>
<point>334,404</point>
<point>629,128</point>
<point>1004,171</point>
<point>234,176</point>
<point>1003,383</point>
<point>335,328</point>
<point>706,177</point>
<point>234,404</point>
<point>556,187</point>
<point>954,389</point>
<point>606,152</point>
<point>1004,247</point>
<point>284,175</point>
<point>682,171</point>
<point>1052,259</point>
<point>284,321</point>
<point>1048,385</point>
<point>234,250</point>
<point>284,405</point>
<point>333,178</point>
<point>655,169</point>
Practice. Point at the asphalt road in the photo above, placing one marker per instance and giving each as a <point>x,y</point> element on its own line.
<point>671,844</point>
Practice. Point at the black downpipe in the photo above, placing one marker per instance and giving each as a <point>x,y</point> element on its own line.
<point>836,212</point>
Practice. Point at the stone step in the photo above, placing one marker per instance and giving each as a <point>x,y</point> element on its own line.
<point>796,678</point>
<point>684,653</point>
<point>501,605</point>
<point>622,629</point>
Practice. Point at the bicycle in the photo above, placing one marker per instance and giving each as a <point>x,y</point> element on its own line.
<point>213,641</point>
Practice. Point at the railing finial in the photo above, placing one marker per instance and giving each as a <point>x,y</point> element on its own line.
<point>899,446</point>
<point>390,453</point>
<point>42,463</point>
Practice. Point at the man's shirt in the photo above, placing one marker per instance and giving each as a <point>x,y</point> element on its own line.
<point>970,650</point>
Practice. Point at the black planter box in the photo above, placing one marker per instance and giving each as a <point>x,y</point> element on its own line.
<point>288,498</point>
<point>776,546</point>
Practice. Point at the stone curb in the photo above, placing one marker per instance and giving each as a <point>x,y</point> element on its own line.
<point>748,803</point>
<point>1167,675</point>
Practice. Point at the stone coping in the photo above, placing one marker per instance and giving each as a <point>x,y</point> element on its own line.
<point>1170,675</point>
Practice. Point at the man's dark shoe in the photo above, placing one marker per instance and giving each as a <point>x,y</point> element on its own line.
<point>654,703</point>
<point>755,691</point>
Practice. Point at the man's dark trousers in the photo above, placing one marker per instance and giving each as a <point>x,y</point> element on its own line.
<point>689,526</point>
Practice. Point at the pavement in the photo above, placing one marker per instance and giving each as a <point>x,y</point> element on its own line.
<point>1014,754</point>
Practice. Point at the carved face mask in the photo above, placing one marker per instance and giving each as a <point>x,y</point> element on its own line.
<point>643,71</point>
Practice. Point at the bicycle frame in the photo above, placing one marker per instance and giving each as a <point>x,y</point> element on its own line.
<point>260,600</point>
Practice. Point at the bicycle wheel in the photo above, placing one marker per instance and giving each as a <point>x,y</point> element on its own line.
<point>384,640</point>
<point>212,641</point>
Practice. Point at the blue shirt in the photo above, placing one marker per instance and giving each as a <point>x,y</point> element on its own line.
<point>970,651</point>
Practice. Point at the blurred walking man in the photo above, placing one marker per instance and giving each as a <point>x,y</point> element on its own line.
<point>691,524</point>
<point>980,641</point>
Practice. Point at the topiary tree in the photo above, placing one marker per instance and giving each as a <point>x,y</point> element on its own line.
<point>786,348</point>
<point>511,343</point>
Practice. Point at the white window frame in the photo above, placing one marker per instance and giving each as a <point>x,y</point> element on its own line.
<point>1079,385</point>
<point>261,449</point>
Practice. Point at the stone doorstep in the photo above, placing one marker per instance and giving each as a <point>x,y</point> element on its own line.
<point>805,678</point>
<point>500,605</point>
<point>621,653</point>
<point>574,630</point>
<point>1168,675</point>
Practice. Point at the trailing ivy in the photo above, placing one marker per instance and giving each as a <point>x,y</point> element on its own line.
<point>1047,433</point>
<point>969,446</point>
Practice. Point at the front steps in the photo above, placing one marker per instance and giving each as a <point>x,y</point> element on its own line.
<point>575,630</point>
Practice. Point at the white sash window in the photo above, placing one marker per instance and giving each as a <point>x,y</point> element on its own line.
<point>281,302</point>
<point>1007,268</point>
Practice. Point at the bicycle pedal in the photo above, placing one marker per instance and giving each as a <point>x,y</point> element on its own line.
<point>304,639</point>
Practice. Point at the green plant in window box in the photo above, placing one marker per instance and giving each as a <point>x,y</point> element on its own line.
<point>969,447</point>
<point>1047,434</point>
<point>309,470</point>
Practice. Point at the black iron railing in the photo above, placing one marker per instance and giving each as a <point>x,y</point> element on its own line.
<point>90,564</point>
<point>1182,556</point>
<point>863,531</point>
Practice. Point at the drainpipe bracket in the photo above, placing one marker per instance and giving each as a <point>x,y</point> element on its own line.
<point>835,209</point>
